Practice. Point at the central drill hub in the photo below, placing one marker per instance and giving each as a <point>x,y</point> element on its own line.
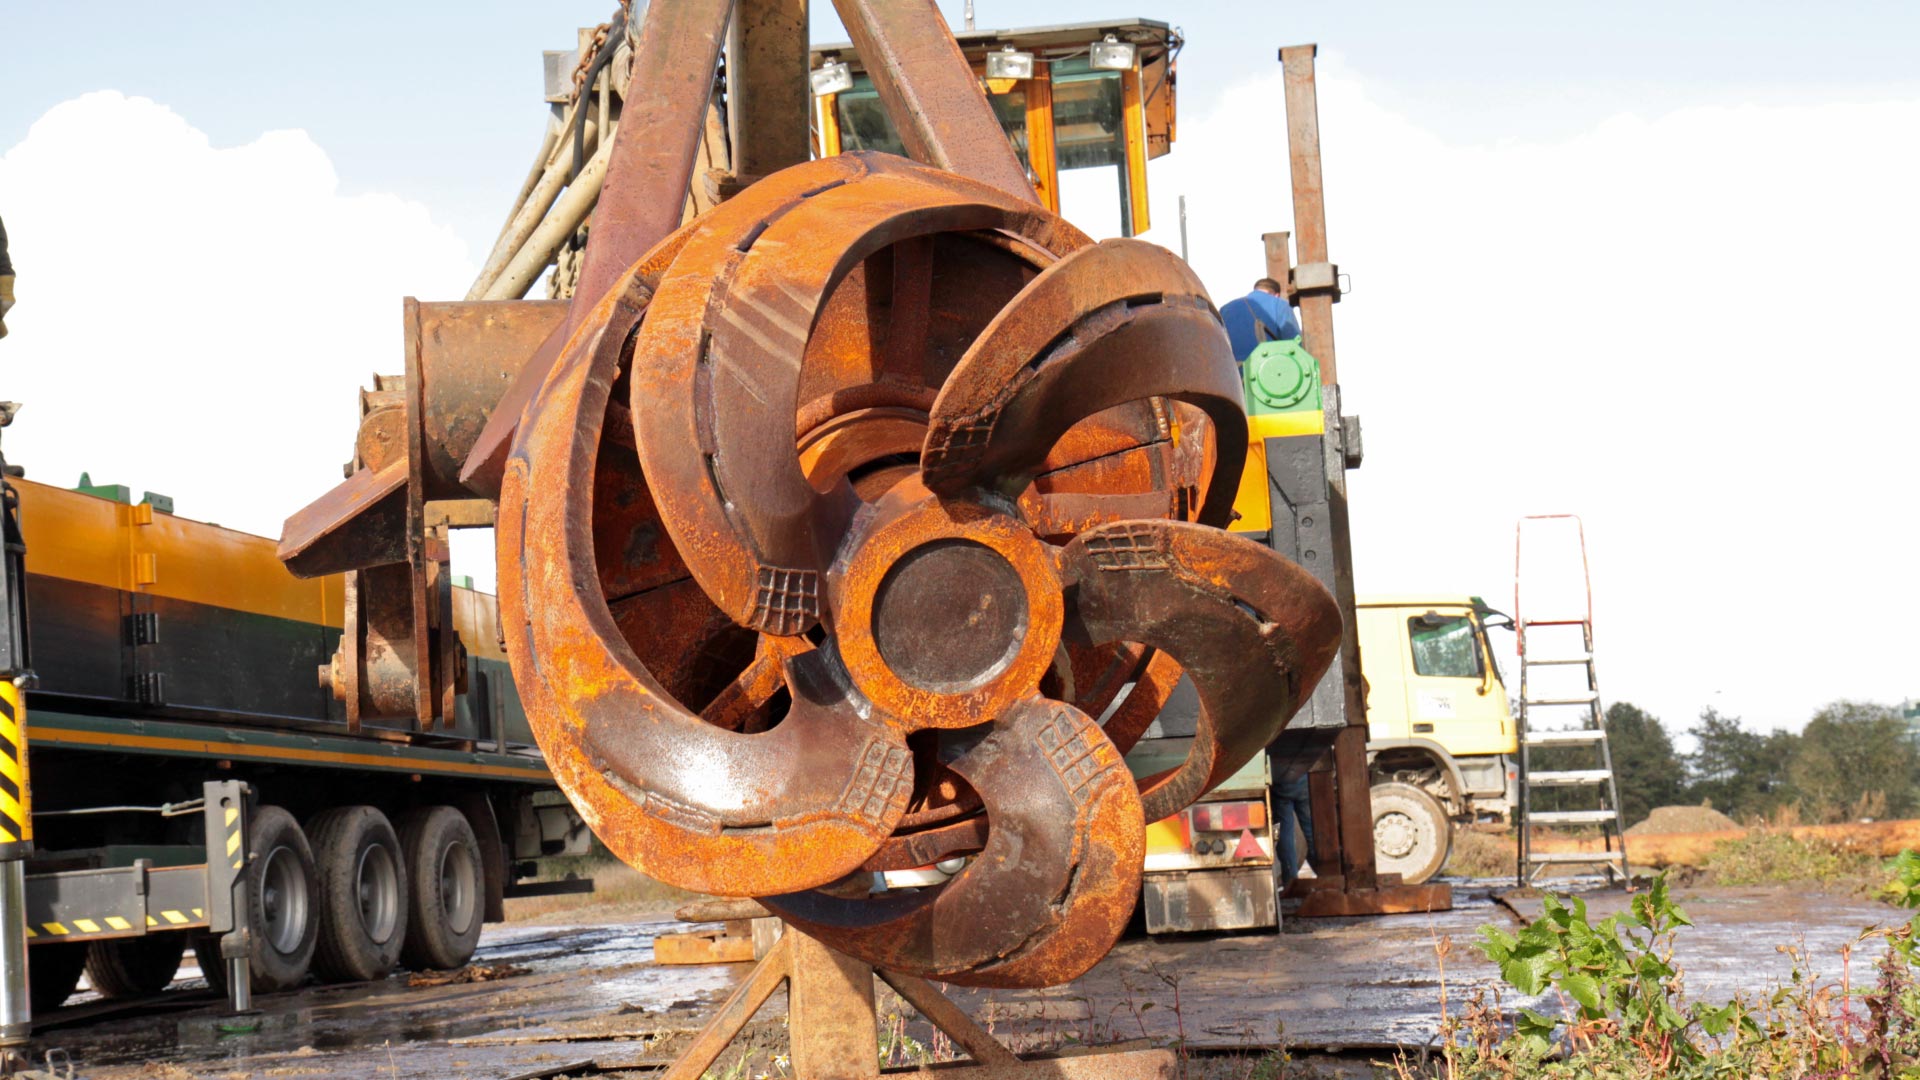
<point>950,615</point>
<point>947,611</point>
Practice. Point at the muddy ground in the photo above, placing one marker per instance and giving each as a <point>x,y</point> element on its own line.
<point>591,1002</point>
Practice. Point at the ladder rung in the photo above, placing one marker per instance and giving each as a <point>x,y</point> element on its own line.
<point>1569,776</point>
<point>1576,856</point>
<point>1587,699</point>
<point>1572,817</point>
<point>1583,658</point>
<point>1553,622</point>
<point>1551,738</point>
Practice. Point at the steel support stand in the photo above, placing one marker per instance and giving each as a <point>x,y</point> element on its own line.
<point>834,1031</point>
<point>16,1014</point>
<point>239,974</point>
<point>16,800</point>
<point>226,812</point>
<point>1346,881</point>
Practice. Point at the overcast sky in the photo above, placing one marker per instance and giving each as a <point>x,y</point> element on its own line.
<point>1648,263</point>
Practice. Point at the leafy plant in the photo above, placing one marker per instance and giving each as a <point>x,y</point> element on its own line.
<point>1619,974</point>
<point>1904,889</point>
<point>1626,1018</point>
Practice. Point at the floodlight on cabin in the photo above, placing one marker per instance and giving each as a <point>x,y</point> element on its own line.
<point>1010,63</point>
<point>1110,54</point>
<point>834,77</point>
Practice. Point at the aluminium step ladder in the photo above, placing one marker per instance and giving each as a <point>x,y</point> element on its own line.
<point>1561,712</point>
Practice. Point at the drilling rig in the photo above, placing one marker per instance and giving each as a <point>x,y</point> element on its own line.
<point>855,512</point>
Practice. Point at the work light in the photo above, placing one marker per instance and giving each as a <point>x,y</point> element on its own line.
<point>1110,54</point>
<point>1010,63</point>
<point>832,78</point>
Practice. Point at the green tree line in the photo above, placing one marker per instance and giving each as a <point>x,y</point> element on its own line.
<point>1853,759</point>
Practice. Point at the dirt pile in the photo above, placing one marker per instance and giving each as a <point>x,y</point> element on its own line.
<point>1683,819</point>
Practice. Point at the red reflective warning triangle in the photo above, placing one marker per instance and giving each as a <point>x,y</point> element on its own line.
<point>1248,848</point>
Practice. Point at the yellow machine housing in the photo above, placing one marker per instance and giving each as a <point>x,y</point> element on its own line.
<point>1252,508</point>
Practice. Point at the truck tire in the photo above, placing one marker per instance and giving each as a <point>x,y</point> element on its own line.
<point>283,902</point>
<point>52,973</point>
<point>206,953</point>
<point>444,870</point>
<point>363,894</point>
<point>1412,835</point>
<point>135,967</point>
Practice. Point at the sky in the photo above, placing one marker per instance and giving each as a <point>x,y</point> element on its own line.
<point>1651,264</point>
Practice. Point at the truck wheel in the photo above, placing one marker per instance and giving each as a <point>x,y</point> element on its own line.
<point>1411,833</point>
<point>443,868</point>
<point>135,967</point>
<point>363,894</point>
<point>283,901</point>
<point>52,973</point>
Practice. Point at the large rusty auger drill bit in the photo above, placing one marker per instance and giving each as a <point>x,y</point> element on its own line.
<point>841,517</point>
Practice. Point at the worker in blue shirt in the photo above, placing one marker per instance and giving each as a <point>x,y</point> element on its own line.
<point>1261,315</point>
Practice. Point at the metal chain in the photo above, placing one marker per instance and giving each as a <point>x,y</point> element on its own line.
<point>587,54</point>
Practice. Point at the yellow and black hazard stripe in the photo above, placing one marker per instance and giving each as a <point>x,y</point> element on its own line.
<point>111,926</point>
<point>236,849</point>
<point>16,801</point>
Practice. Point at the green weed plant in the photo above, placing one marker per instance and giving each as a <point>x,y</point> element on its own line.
<point>1625,1016</point>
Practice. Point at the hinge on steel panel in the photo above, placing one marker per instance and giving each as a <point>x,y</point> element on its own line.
<point>150,688</point>
<point>143,628</point>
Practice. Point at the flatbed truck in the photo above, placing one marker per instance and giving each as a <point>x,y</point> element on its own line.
<point>194,784</point>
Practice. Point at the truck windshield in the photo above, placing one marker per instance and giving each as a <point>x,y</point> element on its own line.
<point>1444,645</point>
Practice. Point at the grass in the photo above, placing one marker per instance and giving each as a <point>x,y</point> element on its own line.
<point>619,890</point>
<point>1480,853</point>
<point>1767,856</point>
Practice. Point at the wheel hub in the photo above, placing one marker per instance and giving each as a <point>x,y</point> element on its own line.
<point>457,900</point>
<point>376,885</point>
<point>283,899</point>
<point>1395,835</point>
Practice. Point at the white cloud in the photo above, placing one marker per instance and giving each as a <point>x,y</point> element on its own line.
<point>195,320</point>
<point>1692,329</point>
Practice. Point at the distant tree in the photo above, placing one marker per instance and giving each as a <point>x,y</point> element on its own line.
<point>1741,773</point>
<point>1850,751</point>
<point>1645,765</point>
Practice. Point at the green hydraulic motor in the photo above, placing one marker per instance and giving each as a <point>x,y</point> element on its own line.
<point>1281,377</point>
